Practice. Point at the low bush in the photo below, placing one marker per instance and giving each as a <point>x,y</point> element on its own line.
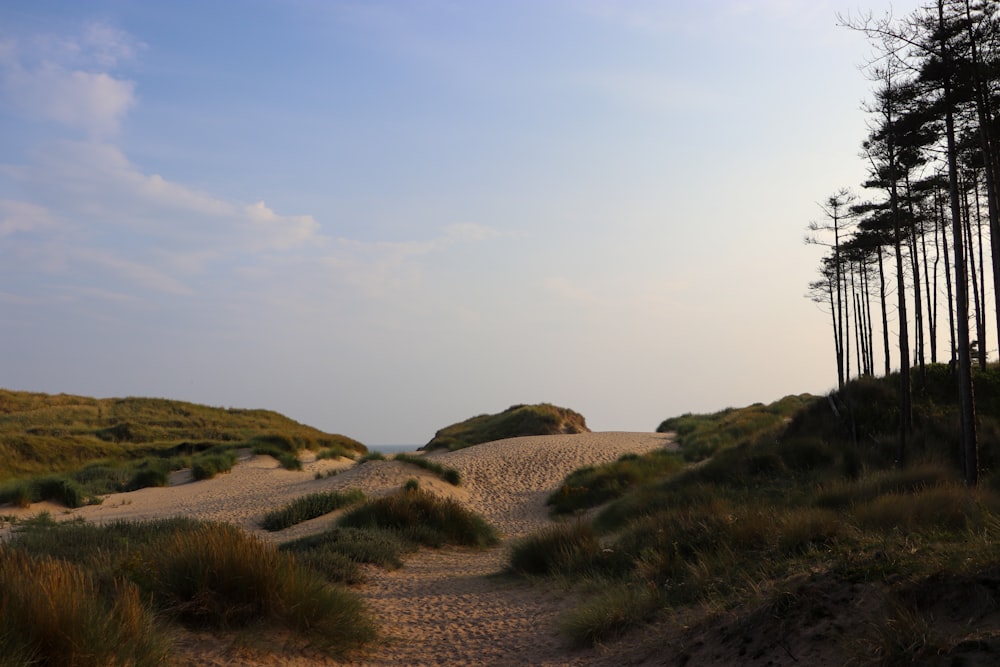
<point>372,456</point>
<point>424,518</point>
<point>309,507</point>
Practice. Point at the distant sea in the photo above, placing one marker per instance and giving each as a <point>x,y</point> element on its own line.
<point>394,449</point>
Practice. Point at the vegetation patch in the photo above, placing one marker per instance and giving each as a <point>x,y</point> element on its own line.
<point>309,507</point>
<point>423,518</point>
<point>515,421</point>
<point>812,504</point>
<point>45,433</point>
<point>337,553</point>
<point>700,436</point>
<point>53,612</point>
<point>450,475</point>
<point>595,485</point>
<point>205,576</point>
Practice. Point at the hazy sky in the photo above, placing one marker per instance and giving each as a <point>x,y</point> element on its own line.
<point>382,217</point>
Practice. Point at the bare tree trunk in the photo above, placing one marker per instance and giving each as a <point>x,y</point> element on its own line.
<point>918,309</point>
<point>885,315</point>
<point>931,299</point>
<point>966,398</point>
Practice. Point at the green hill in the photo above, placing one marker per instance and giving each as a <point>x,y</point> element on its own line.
<point>44,433</point>
<point>515,421</point>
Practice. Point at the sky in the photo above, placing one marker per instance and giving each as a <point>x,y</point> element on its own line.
<point>381,217</point>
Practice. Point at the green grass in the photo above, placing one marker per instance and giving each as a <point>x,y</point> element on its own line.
<point>515,421</point>
<point>790,499</point>
<point>211,577</point>
<point>337,553</point>
<point>45,434</point>
<point>309,507</point>
<point>595,485</point>
<point>700,436</point>
<point>208,465</point>
<point>423,518</point>
<point>450,475</point>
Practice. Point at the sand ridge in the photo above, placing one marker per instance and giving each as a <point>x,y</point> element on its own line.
<point>444,607</point>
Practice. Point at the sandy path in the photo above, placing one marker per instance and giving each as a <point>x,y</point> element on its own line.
<point>444,607</point>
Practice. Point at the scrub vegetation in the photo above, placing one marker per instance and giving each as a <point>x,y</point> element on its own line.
<point>793,523</point>
<point>80,594</point>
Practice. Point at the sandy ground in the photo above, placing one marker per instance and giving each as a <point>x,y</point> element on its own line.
<point>444,607</point>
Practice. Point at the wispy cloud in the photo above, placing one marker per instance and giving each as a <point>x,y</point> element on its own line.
<point>67,79</point>
<point>87,213</point>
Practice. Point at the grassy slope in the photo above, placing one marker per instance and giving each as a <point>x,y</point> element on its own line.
<point>801,538</point>
<point>515,421</point>
<point>43,433</point>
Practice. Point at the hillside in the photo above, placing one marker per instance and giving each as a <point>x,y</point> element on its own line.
<point>514,422</point>
<point>45,433</point>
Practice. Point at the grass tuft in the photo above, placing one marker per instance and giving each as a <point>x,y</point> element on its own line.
<point>309,507</point>
<point>54,613</point>
<point>450,475</point>
<point>423,518</point>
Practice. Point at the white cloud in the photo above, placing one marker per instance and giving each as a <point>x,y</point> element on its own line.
<point>65,80</point>
<point>93,102</point>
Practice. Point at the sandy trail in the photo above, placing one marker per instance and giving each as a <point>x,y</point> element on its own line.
<point>444,607</point>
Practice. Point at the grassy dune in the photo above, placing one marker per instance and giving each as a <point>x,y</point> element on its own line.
<point>794,514</point>
<point>515,421</point>
<point>72,449</point>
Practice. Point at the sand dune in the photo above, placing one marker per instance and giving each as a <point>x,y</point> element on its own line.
<point>442,608</point>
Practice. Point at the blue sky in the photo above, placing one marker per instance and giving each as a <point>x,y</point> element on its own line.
<point>380,218</point>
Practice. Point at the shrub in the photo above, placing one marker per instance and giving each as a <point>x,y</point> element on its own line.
<point>309,507</point>
<point>54,612</point>
<point>372,456</point>
<point>423,518</point>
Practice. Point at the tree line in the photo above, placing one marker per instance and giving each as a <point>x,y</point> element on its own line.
<point>913,252</point>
